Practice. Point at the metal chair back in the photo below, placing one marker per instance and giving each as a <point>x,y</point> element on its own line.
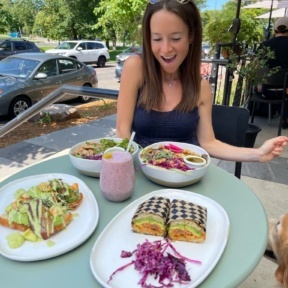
<point>277,82</point>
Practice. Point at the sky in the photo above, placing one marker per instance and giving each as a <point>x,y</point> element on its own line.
<point>215,4</point>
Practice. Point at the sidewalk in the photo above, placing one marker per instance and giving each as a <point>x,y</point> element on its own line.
<point>268,180</point>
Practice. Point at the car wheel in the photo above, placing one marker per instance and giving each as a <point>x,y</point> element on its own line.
<point>101,61</point>
<point>85,99</point>
<point>19,105</point>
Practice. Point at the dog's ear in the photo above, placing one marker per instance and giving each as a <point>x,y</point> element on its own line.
<point>281,273</point>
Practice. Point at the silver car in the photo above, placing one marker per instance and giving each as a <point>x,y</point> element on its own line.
<point>27,78</point>
<point>120,59</point>
<point>128,52</point>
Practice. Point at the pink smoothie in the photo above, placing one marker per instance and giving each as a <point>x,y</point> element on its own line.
<point>117,177</point>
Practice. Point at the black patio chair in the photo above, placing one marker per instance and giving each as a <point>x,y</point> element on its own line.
<point>230,125</point>
<point>276,83</point>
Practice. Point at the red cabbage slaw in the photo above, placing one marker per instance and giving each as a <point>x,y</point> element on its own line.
<point>168,157</point>
<point>150,259</point>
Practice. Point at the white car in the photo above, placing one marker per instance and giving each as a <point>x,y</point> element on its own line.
<point>86,51</point>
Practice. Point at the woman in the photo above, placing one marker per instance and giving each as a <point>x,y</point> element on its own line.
<point>162,96</point>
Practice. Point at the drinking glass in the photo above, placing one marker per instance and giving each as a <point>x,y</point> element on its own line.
<point>117,176</point>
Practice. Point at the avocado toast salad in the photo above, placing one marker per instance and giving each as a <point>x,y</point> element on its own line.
<point>92,150</point>
<point>42,210</point>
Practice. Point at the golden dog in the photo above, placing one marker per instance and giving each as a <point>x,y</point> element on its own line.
<point>277,248</point>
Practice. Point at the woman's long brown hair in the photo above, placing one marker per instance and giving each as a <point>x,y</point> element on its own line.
<point>151,94</point>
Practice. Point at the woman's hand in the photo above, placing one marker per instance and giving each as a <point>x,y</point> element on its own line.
<point>272,148</point>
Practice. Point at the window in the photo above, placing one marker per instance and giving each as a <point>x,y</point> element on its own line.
<point>6,46</point>
<point>82,45</point>
<point>29,45</point>
<point>99,46</point>
<point>49,68</point>
<point>19,46</point>
<point>67,66</point>
<point>91,46</point>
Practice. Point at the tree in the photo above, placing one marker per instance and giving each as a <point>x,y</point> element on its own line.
<point>122,18</point>
<point>24,11</point>
<point>10,21</point>
<point>250,32</point>
<point>5,18</point>
<point>67,19</point>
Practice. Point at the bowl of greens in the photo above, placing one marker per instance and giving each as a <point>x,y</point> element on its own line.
<point>164,163</point>
<point>86,156</point>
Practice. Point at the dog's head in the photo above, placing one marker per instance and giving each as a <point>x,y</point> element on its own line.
<point>278,243</point>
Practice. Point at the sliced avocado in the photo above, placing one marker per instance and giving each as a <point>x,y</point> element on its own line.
<point>50,243</point>
<point>193,230</point>
<point>18,217</point>
<point>58,220</point>
<point>149,220</point>
<point>30,236</point>
<point>35,192</point>
<point>15,240</point>
<point>19,192</point>
<point>8,208</point>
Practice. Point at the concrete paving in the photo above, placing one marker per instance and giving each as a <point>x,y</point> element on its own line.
<point>268,180</point>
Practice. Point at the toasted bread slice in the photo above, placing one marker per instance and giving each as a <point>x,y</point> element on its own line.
<point>75,204</point>
<point>4,222</point>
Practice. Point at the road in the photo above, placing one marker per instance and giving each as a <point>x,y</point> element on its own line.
<point>105,80</point>
<point>106,76</point>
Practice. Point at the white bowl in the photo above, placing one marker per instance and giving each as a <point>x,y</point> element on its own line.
<point>172,178</point>
<point>195,161</point>
<point>93,167</point>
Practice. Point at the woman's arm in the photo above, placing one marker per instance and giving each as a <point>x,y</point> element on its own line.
<point>131,81</point>
<point>269,150</point>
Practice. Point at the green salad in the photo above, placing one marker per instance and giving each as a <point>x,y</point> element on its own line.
<point>94,150</point>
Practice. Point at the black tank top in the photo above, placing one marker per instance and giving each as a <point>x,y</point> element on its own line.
<point>154,126</point>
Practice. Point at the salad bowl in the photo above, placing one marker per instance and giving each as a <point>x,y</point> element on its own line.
<point>163,163</point>
<point>90,165</point>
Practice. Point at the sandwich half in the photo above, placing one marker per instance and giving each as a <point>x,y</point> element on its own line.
<point>151,216</point>
<point>187,221</point>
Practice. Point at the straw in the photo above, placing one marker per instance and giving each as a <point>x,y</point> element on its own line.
<point>130,142</point>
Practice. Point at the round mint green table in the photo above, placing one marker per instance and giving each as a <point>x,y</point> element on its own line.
<point>245,247</point>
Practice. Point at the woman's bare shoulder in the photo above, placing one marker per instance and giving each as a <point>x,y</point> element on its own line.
<point>132,70</point>
<point>134,61</point>
<point>206,91</point>
<point>205,84</point>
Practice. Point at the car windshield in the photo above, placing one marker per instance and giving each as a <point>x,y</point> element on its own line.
<point>17,67</point>
<point>67,45</point>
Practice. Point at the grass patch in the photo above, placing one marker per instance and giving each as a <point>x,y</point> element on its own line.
<point>45,48</point>
<point>114,53</point>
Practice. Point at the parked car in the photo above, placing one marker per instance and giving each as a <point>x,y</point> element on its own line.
<point>86,51</point>
<point>28,77</point>
<point>10,47</point>
<point>120,59</point>
<point>128,52</point>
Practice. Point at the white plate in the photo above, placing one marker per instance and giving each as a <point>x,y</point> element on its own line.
<point>76,232</point>
<point>117,236</point>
